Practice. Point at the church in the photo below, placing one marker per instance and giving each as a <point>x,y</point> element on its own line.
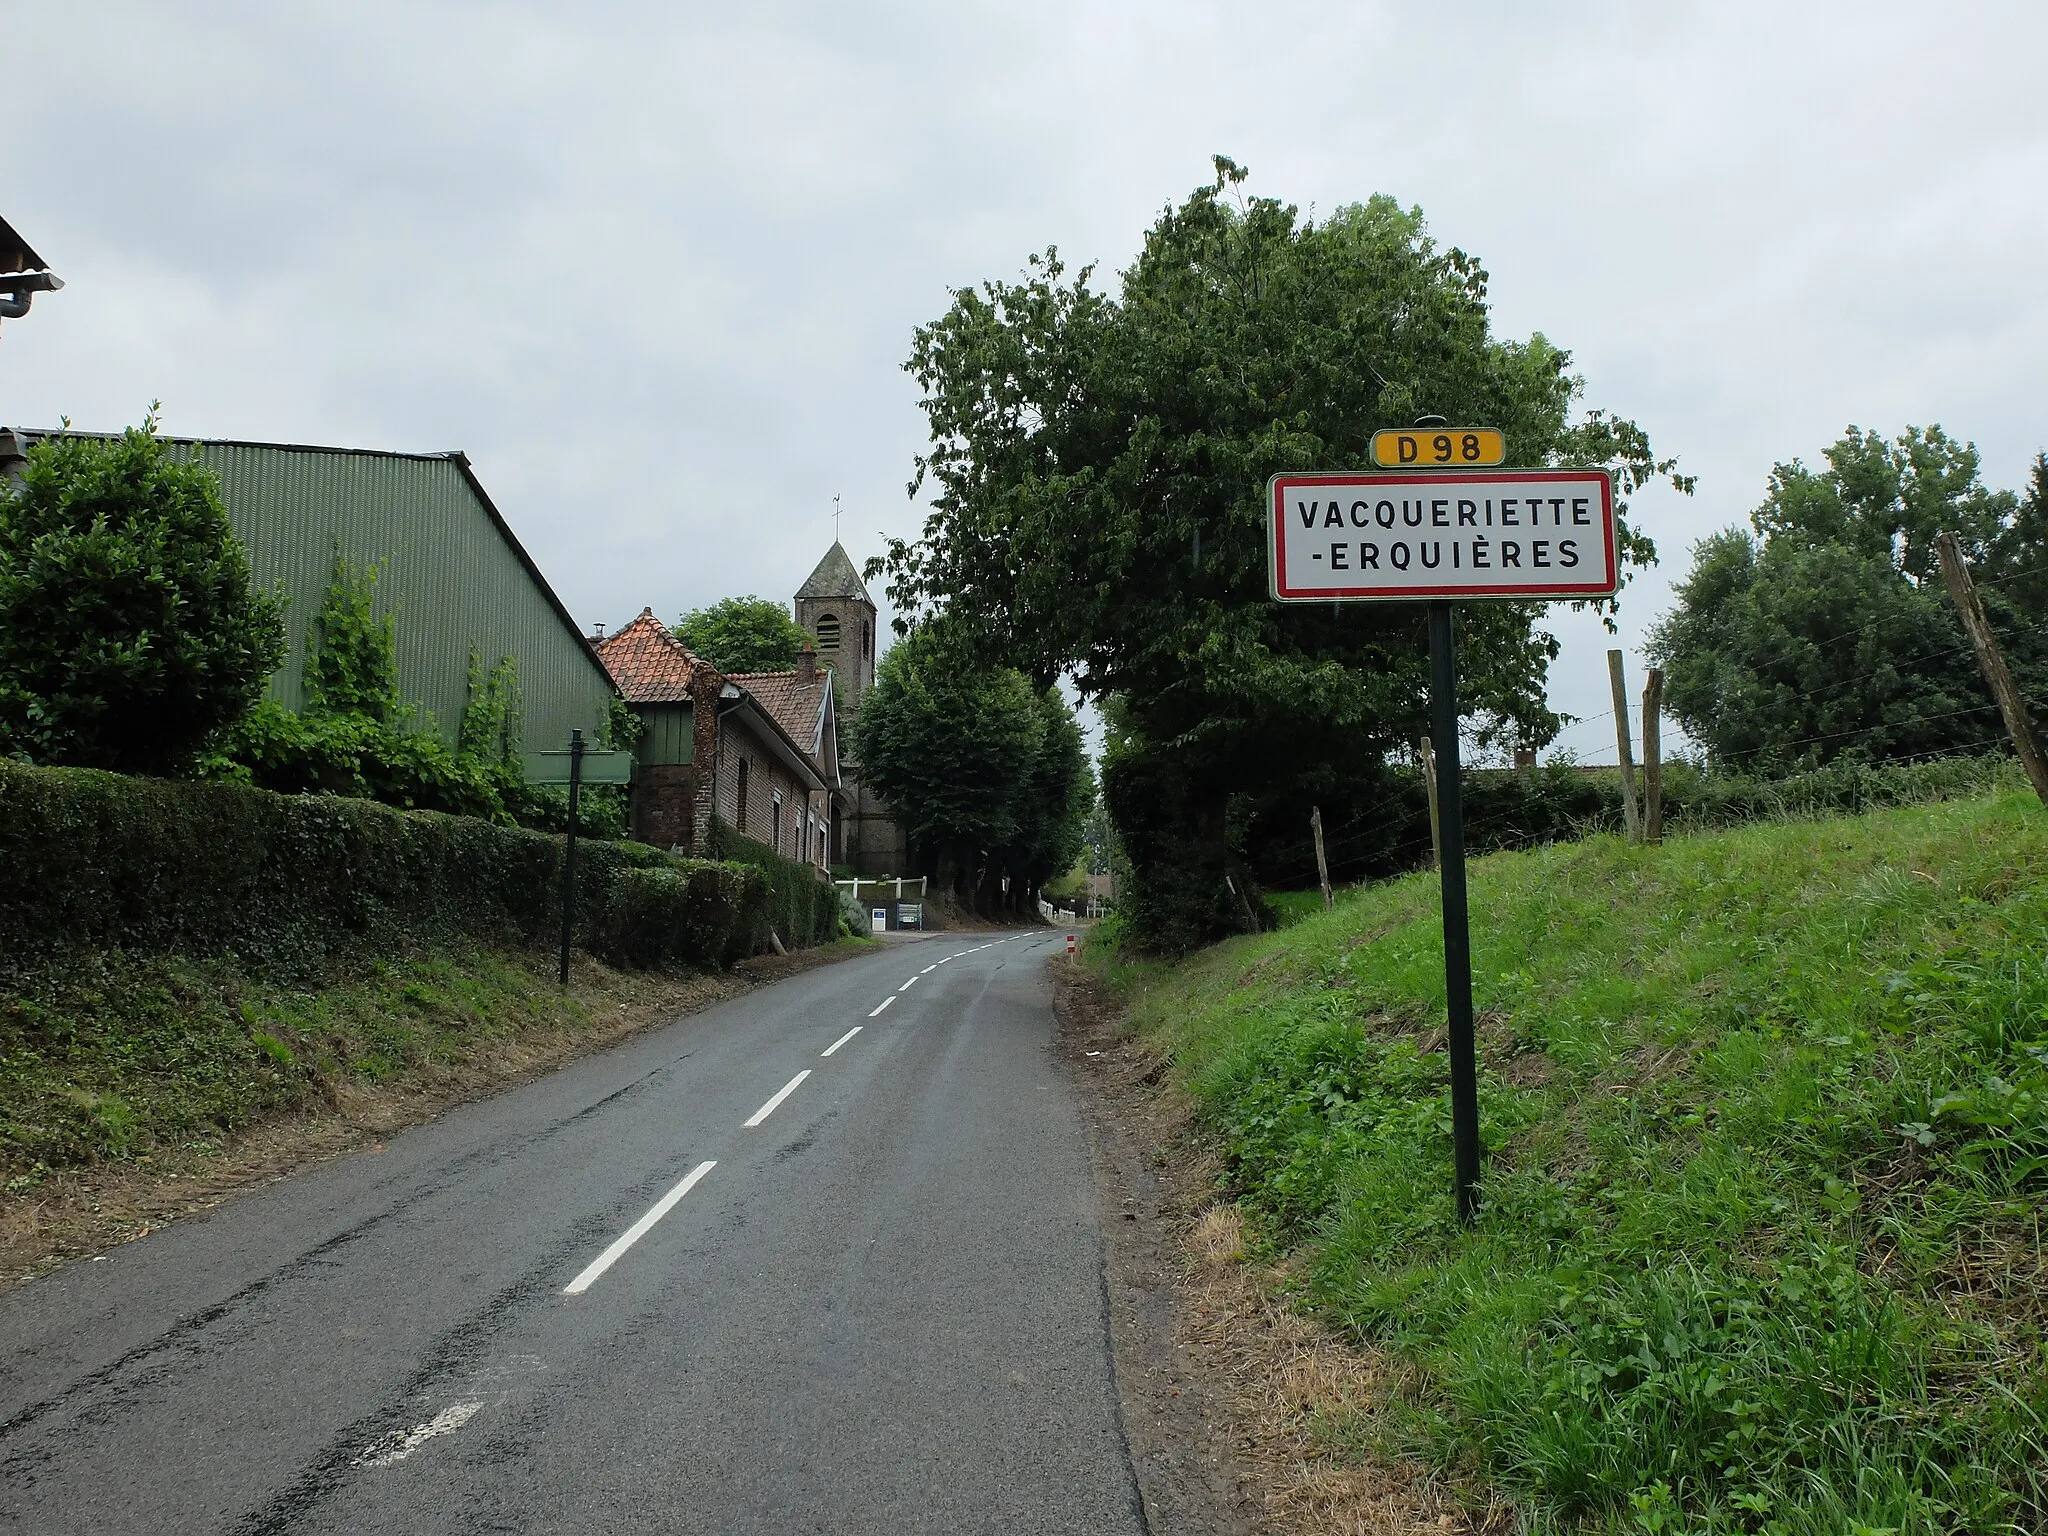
<point>759,751</point>
<point>834,606</point>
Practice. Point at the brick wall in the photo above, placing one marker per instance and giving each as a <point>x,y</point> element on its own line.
<point>765,775</point>
<point>663,805</point>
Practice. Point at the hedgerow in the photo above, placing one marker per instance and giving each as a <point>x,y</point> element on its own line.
<point>288,882</point>
<point>800,906</point>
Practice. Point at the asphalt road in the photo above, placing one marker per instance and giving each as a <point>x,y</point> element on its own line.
<point>878,1307</point>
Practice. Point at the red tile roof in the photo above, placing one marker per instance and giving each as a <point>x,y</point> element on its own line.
<point>650,665</point>
<point>796,705</point>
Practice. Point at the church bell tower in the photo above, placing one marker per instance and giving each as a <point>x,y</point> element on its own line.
<point>835,607</point>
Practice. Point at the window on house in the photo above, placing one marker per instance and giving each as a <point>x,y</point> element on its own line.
<point>775,815</point>
<point>828,631</point>
<point>740,819</point>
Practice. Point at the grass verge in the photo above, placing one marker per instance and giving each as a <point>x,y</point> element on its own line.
<point>1766,1113</point>
<point>136,1088</point>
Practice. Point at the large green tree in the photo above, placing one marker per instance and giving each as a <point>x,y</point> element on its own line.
<point>130,635</point>
<point>743,634</point>
<point>1824,630</point>
<point>985,772</point>
<point>1097,468</point>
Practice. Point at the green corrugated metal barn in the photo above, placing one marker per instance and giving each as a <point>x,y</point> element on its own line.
<point>451,571</point>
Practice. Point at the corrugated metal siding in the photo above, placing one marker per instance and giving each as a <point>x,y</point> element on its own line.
<point>671,734</point>
<point>452,581</point>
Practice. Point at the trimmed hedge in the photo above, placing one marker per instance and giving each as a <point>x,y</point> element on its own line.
<point>286,881</point>
<point>802,905</point>
<point>658,917</point>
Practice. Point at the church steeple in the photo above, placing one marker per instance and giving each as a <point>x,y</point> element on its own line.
<point>835,607</point>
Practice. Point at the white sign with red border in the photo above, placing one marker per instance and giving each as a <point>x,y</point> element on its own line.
<point>1364,536</point>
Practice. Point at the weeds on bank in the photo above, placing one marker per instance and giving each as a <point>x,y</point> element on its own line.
<point>1766,1114</point>
<point>109,1056</point>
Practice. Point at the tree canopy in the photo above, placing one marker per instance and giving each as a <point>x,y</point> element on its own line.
<point>1823,631</point>
<point>985,772</point>
<point>743,634</point>
<point>130,635</point>
<point>1097,469</point>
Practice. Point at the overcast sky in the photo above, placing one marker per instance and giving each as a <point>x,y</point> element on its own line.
<point>656,266</point>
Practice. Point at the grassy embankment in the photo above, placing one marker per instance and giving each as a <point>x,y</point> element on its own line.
<point>113,1057</point>
<point>1766,1113</point>
<point>183,962</point>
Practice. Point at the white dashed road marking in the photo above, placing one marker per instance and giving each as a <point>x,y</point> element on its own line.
<point>784,1092</point>
<point>841,1040</point>
<point>644,1225</point>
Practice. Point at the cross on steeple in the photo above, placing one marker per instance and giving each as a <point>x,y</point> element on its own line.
<point>835,519</point>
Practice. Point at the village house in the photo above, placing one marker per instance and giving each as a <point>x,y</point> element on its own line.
<point>771,739</point>
<point>760,752</point>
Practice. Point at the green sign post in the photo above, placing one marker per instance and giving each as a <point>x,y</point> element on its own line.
<point>575,767</point>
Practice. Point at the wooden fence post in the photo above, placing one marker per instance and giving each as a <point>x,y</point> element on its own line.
<point>1653,757</point>
<point>1436,831</point>
<point>1956,572</point>
<point>1315,825</point>
<point>1630,827</point>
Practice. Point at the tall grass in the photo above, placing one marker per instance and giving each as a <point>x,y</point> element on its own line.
<point>1766,1114</point>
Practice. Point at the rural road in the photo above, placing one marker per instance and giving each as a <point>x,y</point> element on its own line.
<point>869,1298</point>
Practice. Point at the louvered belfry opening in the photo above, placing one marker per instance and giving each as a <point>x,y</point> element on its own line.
<point>828,633</point>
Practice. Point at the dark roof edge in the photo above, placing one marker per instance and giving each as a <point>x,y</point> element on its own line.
<point>802,758</point>
<point>461,461</point>
<point>11,241</point>
<point>39,433</point>
<point>827,710</point>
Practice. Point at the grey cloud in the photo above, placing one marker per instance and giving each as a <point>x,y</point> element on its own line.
<point>656,267</point>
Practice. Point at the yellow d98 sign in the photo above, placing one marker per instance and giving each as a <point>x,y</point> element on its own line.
<point>1438,447</point>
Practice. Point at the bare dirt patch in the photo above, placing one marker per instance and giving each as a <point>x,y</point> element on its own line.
<point>1242,1414</point>
<point>76,1212</point>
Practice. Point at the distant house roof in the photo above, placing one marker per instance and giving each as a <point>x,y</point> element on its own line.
<point>803,708</point>
<point>798,707</point>
<point>835,577</point>
<point>650,665</point>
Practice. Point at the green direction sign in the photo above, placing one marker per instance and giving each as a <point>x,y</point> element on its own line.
<point>598,767</point>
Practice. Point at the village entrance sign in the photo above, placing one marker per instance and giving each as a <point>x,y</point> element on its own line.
<point>1440,536</point>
